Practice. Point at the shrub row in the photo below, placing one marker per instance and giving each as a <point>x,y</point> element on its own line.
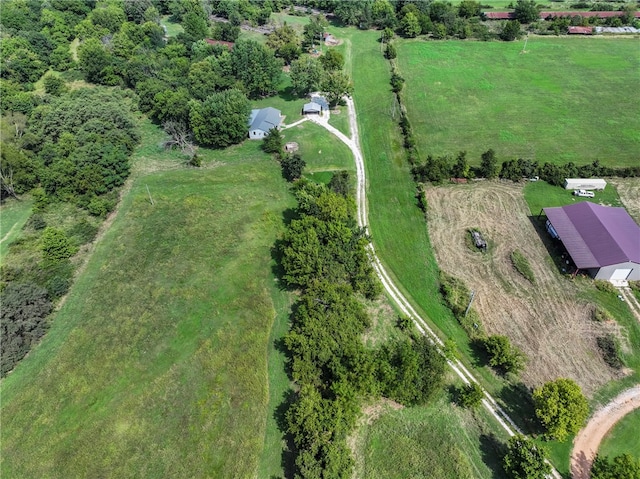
<point>323,253</point>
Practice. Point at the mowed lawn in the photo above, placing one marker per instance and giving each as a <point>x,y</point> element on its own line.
<point>156,365</point>
<point>623,438</point>
<point>565,99</point>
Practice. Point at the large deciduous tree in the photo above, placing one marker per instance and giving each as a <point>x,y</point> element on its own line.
<point>525,459</point>
<point>256,67</point>
<point>306,75</point>
<point>623,466</point>
<point>526,11</point>
<point>221,119</point>
<point>336,84</point>
<point>561,407</point>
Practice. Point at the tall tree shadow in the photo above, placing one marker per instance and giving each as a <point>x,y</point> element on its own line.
<point>492,451</point>
<point>517,401</point>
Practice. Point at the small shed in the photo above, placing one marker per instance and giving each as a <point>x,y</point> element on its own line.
<point>261,121</point>
<point>584,184</point>
<point>580,30</point>
<point>312,108</point>
<point>291,147</point>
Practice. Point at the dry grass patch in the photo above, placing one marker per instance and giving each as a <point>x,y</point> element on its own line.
<point>545,320</point>
<point>629,192</point>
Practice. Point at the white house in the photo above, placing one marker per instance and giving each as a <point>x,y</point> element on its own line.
<point>261,121</point>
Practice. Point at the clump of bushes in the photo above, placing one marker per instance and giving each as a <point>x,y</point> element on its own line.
<point>601,315</point>
<point>610,348</point>
<point>457,296</point>
<point>470,396</point>
<point>503,356</point>
<point>605,286</point>
<point>522,266</point>
<point>25,307</point>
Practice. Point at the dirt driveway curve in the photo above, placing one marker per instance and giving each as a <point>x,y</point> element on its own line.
<point>588,440</point>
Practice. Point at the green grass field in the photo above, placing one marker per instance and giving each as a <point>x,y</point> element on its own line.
<point>396,223</point>
<point>440,440</point>
<point>157,364</point>
<point>13,216</point>
<point>623,438</point>
<point>540,194</point>
<point>172,29</point>
<point>566,99</point>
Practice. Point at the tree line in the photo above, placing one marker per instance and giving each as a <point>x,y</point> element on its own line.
<point>323,254</point>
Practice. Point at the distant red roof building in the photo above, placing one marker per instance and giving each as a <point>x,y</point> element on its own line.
<point>580,30</point>
<point>500,15</point>
<point>210,41</point>
<point>584,14</point>
<point>545,15</point>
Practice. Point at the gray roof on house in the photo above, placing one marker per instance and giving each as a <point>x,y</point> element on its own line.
<point>311,107</point>
<point>320,100</point>
<point>264,119</point>
<point>596,235</point>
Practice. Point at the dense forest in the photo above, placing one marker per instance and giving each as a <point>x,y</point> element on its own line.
<point>76,77</point>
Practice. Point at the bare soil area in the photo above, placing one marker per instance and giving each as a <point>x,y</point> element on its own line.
<point>629,192</point>
<point>546,320</point>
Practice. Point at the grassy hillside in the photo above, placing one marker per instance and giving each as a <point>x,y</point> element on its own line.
<point>156,365</point>
<point>13,216</point>
<point>440,440</point>
<point>566,99</point>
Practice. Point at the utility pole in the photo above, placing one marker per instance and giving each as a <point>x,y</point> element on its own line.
<point>473,295</point>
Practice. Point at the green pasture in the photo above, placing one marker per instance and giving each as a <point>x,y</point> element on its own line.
<point>439,440</point>
<point>623,438</point>
<point>13,215</point>
<point>565,99</point>
<point>540,194</point>
<point>159,362</point>
<point>396,224</point>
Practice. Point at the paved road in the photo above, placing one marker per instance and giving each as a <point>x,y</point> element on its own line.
<point>405,306</point>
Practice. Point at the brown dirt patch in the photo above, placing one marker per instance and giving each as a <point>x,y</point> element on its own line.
<point>629,192</point>
<point>546,320</point>
<point>587,442</point>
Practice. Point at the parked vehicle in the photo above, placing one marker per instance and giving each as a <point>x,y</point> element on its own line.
<point>584,193</point>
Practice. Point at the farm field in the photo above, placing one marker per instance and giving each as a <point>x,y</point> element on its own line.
<point>566,99</point>
<point>541,318</point>
<point>13,216</point>
<point>157,364</point>
<point>440,440</point>
<point>629,191</point>
<point>623,438</point>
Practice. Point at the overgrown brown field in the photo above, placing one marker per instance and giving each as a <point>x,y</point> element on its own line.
<point>545,319</point>
<point>629,192</point>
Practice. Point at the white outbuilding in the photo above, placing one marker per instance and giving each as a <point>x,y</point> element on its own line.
<point>584,184</point>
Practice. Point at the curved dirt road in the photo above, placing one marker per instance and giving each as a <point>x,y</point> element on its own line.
<point>588,439</point>
<point>405,306</point>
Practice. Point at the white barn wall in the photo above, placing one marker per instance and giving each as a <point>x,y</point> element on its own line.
<point>606,272</point>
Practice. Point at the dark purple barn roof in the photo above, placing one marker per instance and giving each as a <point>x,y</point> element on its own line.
<point>596,235</point>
